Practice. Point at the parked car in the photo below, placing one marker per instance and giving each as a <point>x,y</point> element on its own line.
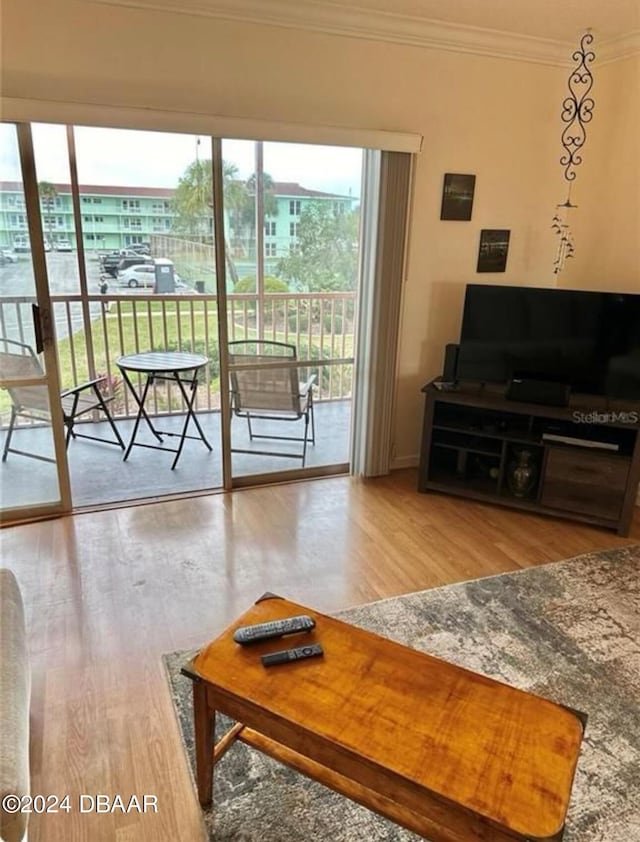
<point>63,245</point>
<point>145,276</point>
<point>8,256</point>
<point>142,275</point>
<point>140,248</point>
<point>114,263</point>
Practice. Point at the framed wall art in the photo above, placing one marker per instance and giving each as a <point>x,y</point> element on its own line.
<point>457,196</point>
<point>493,250</point>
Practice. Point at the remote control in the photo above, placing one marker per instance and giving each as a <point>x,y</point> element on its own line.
<point>275,628</point>
<point>292,655</point>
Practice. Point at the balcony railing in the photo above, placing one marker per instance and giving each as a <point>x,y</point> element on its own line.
<point>93,331</point>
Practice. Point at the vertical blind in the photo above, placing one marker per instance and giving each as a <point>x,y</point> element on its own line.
<point>385,208</point>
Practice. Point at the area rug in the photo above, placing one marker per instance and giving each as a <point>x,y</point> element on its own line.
<point>568,631</point>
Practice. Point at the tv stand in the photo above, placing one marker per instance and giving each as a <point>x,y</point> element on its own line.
<point>581,461</point>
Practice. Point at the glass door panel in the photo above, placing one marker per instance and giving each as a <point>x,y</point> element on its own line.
<point>30,480</point>
<point>291,215</point>
<point>146,212</point>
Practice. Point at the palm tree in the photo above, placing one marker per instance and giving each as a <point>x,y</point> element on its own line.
<point>193,201</point>
<point>48,195</point>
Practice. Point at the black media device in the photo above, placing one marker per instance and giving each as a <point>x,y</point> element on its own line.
<point>531,338</point>
<point>288,655</point>
<point>545,392</point>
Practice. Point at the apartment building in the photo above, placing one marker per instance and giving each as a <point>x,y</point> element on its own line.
<point>115,217</point>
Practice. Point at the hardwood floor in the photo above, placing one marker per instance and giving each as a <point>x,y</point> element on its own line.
<point>107,593</point>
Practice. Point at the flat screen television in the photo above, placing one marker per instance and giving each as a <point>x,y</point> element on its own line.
<point>588,340</point>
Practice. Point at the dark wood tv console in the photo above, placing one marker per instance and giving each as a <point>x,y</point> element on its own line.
<point>580,461</point>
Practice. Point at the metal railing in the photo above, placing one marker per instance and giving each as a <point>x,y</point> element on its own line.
<point>92,332</point>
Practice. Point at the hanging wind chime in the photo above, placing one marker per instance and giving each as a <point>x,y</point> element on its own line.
<point>577,111</point>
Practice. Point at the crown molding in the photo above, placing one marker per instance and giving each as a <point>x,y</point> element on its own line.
<point>617,49</point>
<point>324,16</point>
<point>372,24</point>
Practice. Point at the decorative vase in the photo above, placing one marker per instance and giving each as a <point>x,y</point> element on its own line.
<point>522,473</point>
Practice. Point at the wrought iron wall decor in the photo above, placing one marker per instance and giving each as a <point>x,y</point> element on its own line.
<point>577,112</point>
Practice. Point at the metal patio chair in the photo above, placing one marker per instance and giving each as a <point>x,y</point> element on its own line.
<point>261,390</point>
<point>19,362</point>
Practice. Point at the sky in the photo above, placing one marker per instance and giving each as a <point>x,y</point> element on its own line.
<point>158,159</point>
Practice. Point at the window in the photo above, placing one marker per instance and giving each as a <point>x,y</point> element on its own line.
<point>269,249</point>
<point>97,201</point>
<point>294,207</point>
<point>89,237</point>
<point>98,218</point>
<point>131,205</point>
<point>293,229</point>
<point>270,229</point>
<point>86,219</point>
<point>133,223</point>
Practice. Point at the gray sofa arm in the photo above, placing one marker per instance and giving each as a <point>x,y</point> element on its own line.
<point>15,691</point>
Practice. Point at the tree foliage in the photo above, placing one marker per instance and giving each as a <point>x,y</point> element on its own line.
<point>326,256</point>
<point>193,205</point>
<point>48,193</point>
<point>193,199</point>
<point>271,284</point>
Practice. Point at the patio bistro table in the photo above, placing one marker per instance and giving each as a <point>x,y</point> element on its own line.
<point>164,365</point>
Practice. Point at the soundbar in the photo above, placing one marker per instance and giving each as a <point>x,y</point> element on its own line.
<point>538,391</point>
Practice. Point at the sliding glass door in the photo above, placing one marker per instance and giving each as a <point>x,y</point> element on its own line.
<point>272,306</point>
<point>33,471</point>
<point>291,229</point>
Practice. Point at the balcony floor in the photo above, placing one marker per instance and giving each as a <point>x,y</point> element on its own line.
<point>99,475</point>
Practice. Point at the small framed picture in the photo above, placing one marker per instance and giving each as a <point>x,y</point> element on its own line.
<point>457,196</point>
<point>494,247</point>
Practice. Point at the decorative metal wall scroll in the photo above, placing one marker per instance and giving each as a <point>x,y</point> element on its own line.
<point>577,111</point>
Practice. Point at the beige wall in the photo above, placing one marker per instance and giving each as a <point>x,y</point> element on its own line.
<point>606,224</point>
<point>495,118</point>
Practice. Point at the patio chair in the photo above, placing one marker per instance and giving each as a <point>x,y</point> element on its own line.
<point>19,362</point>
<point>266,392</point>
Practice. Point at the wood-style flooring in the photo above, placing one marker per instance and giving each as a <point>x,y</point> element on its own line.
<point>107,593</point>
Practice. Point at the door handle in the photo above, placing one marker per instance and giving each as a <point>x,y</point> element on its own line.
<point>37,328</point>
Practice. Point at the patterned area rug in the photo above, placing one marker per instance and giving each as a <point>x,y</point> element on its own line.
<point>568,631</point>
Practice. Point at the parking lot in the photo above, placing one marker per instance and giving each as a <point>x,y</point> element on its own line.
<point>64,279</point>
<point>62,270</point>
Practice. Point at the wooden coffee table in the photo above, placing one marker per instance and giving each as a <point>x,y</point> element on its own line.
<point>445,752</point>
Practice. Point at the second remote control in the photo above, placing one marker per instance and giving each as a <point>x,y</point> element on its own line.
<point>292,655</point>
<point>274,628</point>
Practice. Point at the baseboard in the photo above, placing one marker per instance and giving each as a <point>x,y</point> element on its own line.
<point>400,462</point>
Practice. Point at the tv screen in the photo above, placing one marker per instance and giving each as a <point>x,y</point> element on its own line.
<point>590,340</point>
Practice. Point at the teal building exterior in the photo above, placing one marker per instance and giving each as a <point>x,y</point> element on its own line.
<point>117,217</point>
